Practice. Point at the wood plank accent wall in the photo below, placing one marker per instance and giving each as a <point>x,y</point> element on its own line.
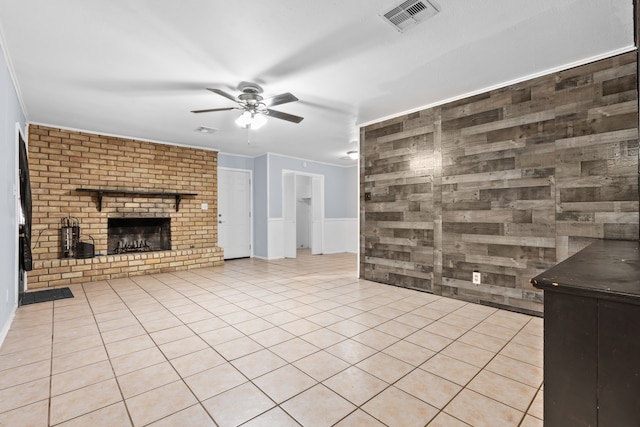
<point>507,183</point>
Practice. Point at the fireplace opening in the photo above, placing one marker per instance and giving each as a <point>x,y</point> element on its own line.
<point>125,235</point>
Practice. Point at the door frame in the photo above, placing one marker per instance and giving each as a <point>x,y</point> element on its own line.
<point>250,172</point>
<point>291,198</point>
<point>317,248</point>
<point>16,268</point>
<point>289,214</point>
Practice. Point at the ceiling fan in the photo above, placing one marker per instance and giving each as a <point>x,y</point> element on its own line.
<point>254,107</point>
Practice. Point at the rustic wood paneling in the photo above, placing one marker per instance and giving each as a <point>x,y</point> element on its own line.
<point>398,179</point>
<point>597,146</point>
<point>507,183</point>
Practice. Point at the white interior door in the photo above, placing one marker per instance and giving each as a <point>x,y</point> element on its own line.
<point>289,213</point>
<point>234,212</point>
<point>317,215</point>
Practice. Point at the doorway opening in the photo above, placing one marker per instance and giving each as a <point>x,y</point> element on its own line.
<point>25,257</point>
<point>303,212</point>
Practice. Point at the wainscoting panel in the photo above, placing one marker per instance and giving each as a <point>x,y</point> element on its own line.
<point>340,235</point>
<point>275,237</point>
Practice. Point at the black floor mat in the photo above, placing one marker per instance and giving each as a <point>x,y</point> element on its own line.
<point>44,296</point>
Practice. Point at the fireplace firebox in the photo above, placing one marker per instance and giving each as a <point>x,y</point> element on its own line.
<point>125,235</point>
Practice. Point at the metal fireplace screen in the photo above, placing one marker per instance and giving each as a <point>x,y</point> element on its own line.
<point>125,235</point>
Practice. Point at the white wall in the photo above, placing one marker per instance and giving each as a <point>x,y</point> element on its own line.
<point>261,243</point>
<point>10,114</point>
<point>340,184</point>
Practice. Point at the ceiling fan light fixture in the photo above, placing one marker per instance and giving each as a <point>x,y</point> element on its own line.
<point>251,120</point>
<point>258,120</point>
<point>254,107</point>
<point>353,154</point>
<point>244,121</point>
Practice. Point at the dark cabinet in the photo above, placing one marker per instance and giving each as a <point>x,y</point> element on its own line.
<point>592,337</point>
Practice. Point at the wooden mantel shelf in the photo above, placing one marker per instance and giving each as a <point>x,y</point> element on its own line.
<point>101,192</point>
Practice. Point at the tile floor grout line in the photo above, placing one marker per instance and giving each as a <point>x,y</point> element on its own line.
<point>531,404</point>
<point>53,317</point>
<point>481,369</point>
<point>389,385</point>
<point>468,382</point>
<point>181,378</point>
<point>115,377</point>
<point>417,367</point>
<point>200,402</point>
<point>255,290</point>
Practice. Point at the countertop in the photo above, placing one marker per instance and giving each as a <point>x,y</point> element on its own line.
<point>606,269</point>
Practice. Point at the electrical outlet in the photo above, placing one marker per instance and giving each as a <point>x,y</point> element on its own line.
<point>476,278</point>
<point>204,206</point>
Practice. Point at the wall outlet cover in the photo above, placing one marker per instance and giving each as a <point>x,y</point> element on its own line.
<point>477,278</point>
<point>204,206</point>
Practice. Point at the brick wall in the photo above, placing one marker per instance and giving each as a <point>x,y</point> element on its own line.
<point>508,183</point>
<point>62,160</point>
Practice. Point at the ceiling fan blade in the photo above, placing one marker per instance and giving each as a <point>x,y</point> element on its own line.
<point>214,109</point>
<point>284,116</point>
<point>223,93</point>
<point>283,98</point>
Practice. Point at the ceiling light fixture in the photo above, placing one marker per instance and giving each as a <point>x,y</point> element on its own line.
<point>353,154</point>
<point>251,120</point>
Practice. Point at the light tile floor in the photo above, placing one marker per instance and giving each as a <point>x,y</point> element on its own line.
<point>268,343</point>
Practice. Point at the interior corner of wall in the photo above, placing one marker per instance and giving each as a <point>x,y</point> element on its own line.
<point>5,328</point>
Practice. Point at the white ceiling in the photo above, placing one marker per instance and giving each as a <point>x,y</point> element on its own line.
<point>137,67</point>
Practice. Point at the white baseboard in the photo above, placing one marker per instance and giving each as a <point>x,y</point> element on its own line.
<point>7,326</point>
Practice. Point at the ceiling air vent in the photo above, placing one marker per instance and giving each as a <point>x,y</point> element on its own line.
<point>409,13</point>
